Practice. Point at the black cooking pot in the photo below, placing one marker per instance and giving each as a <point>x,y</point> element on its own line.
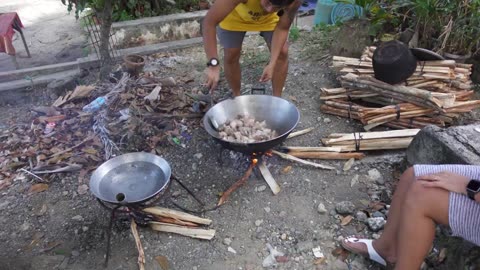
<point>393,62</point>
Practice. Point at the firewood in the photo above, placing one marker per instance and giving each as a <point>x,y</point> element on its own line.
<point>269,178</point>
<point>375,144</point>
<point>301,161</point>
<point>310,149</point>
<point>340,137</point>
<point>191,232</point>
<point>327,155</point>
<point>138,243</point>
<point>169,213</point>
<point>300,132</point>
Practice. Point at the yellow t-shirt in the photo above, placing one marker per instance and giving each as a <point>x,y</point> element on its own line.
<point>250,17</point>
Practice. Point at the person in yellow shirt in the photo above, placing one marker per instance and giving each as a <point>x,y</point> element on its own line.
<point>230,20</point>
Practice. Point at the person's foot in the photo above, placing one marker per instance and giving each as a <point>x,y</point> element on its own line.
<point>368,249</point>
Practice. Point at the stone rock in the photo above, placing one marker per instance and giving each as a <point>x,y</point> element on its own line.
<point>230,249</point>
<point>77,218</point>
<point>267,209</point>
<point>75,253</point>
<point>260,188</point>
<point>227,241</point>
<point>345,207</point>
<point>376,223</point>
<point>354,180</point>
<point>375,176</point>
<point>454,145</point>
<point>378,214</point>
<point>198,155</point>
<point>327,120</point>
<point>361,216</point>
<point>321,208</point>
<point>258,222</point>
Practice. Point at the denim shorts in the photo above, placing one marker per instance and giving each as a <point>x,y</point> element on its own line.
<point>234,39</point>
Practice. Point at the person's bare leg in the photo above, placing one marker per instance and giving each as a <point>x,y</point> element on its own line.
<point>387,243</point>
<point>423,208</point>
<point>233,72</point>
<point>280,72</point>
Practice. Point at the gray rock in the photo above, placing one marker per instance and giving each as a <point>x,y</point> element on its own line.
<point>454,145</point>
<point>77,218</point>
<point>375,176</point>
<point>321,208</point>
<point>75,253</point>
<point>267,209</point>
<point>376,223</point>
<point>361,216</point>
<point>230,249</point>
<point>327,120</point>
<point>345,207</point>
<point>258,222</point>
<point>261,188</point>
<point>198,155</point>
<point>354,180</point>
<point>378,214</point>
<point>227,241</point>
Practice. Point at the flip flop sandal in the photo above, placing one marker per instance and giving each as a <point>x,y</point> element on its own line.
<point>372,253</point>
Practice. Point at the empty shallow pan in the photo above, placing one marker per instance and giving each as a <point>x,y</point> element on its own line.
<point>130,178</point>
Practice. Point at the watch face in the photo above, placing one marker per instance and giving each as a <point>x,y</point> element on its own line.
<point>214,62</point>
<point>474,185</point>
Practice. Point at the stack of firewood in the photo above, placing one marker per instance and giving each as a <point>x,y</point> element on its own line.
<point>437,93</point>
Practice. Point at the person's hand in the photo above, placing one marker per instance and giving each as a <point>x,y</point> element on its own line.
<point>446,180</point>
<point>213,76</point>
<point>267,73</point>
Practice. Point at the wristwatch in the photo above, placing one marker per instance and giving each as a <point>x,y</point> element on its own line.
<point>473,188</point>
<point>212,62</point>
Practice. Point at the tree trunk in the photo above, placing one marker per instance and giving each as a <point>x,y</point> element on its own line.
<point>106,59</point>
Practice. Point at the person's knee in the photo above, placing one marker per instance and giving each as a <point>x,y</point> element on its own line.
<point>420,197</point>
<point>408,175</point>
<point>232,57</point>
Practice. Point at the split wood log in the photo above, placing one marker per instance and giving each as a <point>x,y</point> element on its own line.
<point>416,96</point>
<point>326,155</point>
<point>341,137</point>
<point>191,232</point>
<point>169,213</point>
<point>310,149</point>
<point>301,161</point>
<point>375,144</point>
<point>300,132</point>
<point>138,243</point>
<point>267,176</point>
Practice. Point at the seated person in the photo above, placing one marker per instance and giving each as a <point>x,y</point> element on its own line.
<point>426,195</point>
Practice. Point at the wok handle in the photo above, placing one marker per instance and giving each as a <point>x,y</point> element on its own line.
<point>261,90</point>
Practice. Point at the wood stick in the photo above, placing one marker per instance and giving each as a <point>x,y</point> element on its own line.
<point>339,137</point>
<point>165,212</point>
<point>191,232</point>
<point>269,178</point>
<point>175,221</point>
<point>311,149</point>
<point>300,132</point>
<point>301,161</point>
<point>138,243</point>
<point>386,144</point>
<point>327,155</point>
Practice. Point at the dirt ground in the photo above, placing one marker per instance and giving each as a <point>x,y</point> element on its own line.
<point>61,229</point>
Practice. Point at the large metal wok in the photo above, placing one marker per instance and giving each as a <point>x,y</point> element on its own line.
<point>278,113</point>
<point>130,178</point>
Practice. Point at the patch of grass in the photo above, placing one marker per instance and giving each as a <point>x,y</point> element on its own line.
<point>317,42</point>
<point>294,33</point>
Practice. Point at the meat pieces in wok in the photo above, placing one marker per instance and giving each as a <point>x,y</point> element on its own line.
<point>245,129</point>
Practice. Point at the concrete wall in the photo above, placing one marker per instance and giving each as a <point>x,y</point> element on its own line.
<point>158,29</point>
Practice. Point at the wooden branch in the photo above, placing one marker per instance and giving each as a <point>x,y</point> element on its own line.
<point>70,148</point>
<point>300,132</point>
<point>169,213</point>
<point>301,161</point>
<point>376,144</point>
<point>191,232</point>
<point>138,243</point>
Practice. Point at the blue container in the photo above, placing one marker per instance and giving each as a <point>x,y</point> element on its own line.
<point>323,11</point>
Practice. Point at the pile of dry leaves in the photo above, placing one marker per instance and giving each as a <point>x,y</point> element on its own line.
<point>140,114</point>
